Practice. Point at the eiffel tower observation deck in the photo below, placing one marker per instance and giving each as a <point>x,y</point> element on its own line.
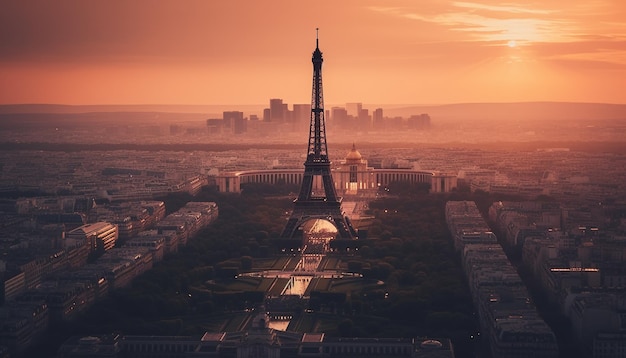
<point>317,198</point>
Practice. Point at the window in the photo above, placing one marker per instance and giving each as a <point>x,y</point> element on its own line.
<point>353,174</point>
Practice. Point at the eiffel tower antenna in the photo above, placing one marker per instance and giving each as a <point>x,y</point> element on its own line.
<point>317,37</point>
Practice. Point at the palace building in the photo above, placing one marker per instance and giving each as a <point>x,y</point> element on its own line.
<point>256,341</point>
<point>352,176</point>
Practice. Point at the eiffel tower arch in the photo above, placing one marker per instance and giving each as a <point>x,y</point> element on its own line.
<point>312,204</point>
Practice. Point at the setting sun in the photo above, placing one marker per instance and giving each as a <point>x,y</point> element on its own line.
<point>512,43</point>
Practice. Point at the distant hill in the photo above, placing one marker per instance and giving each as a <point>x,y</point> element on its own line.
<point>514,111</point>
<point>42,120</point>
<point>156,108</point>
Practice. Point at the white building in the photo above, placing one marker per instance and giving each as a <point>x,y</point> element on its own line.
<point>101,235</point>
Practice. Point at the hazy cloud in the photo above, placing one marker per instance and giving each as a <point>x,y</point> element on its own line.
<point>227,49</point>
<point>560,24</point>
<point>513,8</point>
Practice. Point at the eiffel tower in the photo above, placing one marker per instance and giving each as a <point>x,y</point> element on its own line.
<point>315,205</point>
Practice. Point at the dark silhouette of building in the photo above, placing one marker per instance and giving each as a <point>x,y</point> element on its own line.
<point>419,121</point>
<point>266,115</point>
<point>300,115</point>
<point>340,118</point>
<point>277,110</point>
<point>214,125</point>
<point>364,121</point>
<point>314,203</point>
<point>234,122</point>
<point>377,120</point>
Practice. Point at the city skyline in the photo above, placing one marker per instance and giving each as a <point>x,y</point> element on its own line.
<point>243,52</point>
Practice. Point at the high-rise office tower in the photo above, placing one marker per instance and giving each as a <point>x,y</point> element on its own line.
<point>277,110</point>
<point>234,122</point>
<point>354,109</point>
<point>364,120</point>
<point>377,119</point>
<point>301,113</point>
<point>339,117</point>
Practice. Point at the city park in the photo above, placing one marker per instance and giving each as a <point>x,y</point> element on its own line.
<point>405,280</point>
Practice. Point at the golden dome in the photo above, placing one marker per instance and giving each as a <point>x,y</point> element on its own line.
<point>353,155</point>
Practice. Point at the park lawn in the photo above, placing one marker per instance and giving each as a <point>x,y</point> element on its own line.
<point>312,285</point>
<point>305,323</point>
<point>293,261</point>
<point>328,323</point>
<point>244,284</point>
<point>208,324</point>
<point>347,285</point>
<point>280,262</point>
<point>318,284</point>
<point>322,265</point>
<point>278,287</point>
<point>264,264</point>
<point>237,321</point>
<point>331,263</point>
<point>265,284</point>
<point>324,284</point>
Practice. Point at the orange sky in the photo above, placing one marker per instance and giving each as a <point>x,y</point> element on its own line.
<point>247,51</point>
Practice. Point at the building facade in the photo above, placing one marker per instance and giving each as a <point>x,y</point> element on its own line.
<point>351,176</point>
<point>100,235</point>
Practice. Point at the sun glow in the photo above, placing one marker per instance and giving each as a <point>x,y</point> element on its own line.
<point>169,54</point>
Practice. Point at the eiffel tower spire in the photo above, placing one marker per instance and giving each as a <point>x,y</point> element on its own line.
<point>310,204</point>
<point>317,132</point>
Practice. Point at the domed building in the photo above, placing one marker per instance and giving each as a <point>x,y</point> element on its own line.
<point>351,177</point>
<point>353,174</point>
<point>354,156</point>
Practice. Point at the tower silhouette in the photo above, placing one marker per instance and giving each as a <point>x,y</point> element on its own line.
<point>310,204</point>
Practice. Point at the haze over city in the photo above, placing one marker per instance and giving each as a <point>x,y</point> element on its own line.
<point>461,194</point>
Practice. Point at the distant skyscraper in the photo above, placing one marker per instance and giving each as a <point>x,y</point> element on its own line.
<point>287,115</point>
<point>277,110</point>
<point>339,117</point>
<point>377,119</point>
<point>214,125</point>
<point>301,114</point>
<point>234,122</point>
<point>364,121</point>
<point>354,109</point>
<point>421,121</point>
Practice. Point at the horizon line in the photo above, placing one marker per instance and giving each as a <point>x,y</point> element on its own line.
<point>265,104</point>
